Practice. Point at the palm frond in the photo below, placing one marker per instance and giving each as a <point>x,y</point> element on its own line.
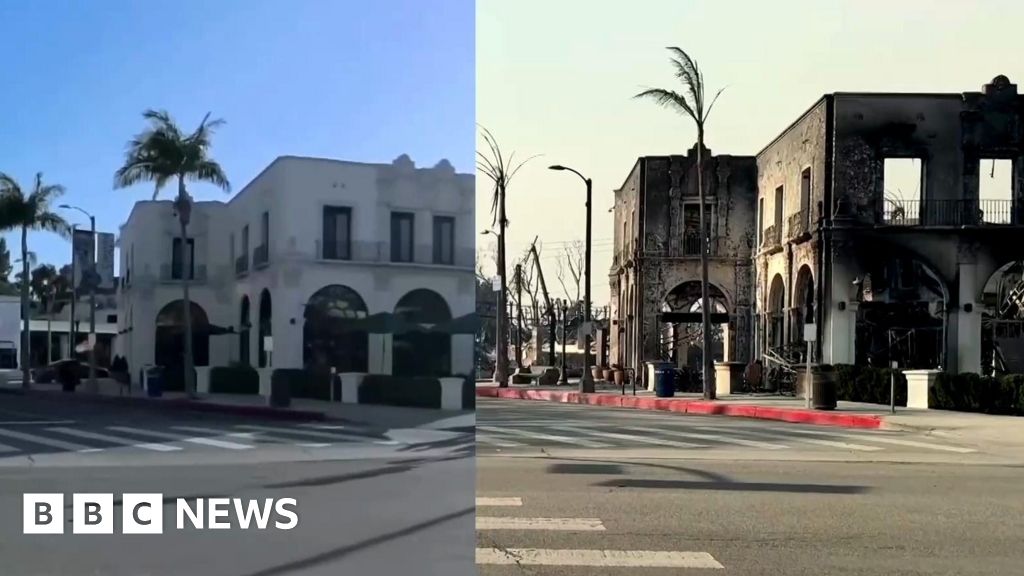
<point>209,171</point>
<point>669,99</point>
<point>53,222</point>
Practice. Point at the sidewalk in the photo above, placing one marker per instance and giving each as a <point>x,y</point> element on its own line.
<point>972,427</point>
<point>111,392</point>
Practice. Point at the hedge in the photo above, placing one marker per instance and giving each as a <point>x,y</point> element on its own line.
<point>868,384</point>
<point>173,378</point>
<point>307,383</point>
<point>468,393</point>
<point>401,391</point>
<point>970,392</point>
<point>234,380</point>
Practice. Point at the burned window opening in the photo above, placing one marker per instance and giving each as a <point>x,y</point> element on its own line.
<point>995,190</point>
<point>903,186</point>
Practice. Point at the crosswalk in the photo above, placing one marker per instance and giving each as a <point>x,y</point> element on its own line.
<point>586,530</point>
<point>42,438</point>
<point>690,434</point>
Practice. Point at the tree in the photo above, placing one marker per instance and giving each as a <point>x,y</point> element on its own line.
<point>499,170</point>
<point>570,270</point>
<point>692,104</point>
<point>29,212</point>
<point>162,153</point>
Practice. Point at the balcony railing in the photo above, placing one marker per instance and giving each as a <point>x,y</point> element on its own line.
<point>799,224</point>
<point>688,246</point>
<point>169,273</point>
<point>771,237</point>
<point>260,256</point>
<point>380,253</point>
<point>242,264</point>
<point>947,212</point>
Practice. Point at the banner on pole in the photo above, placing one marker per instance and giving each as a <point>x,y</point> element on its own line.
<point>83,248</point>
<point>105,259</point>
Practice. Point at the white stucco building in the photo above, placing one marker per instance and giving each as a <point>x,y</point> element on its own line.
<point>307,234</point>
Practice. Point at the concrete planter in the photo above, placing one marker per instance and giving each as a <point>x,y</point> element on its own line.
<point>728,377</point>
<point>919,384</point>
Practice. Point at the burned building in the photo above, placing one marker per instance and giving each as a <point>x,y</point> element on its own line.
<point>812,232</point>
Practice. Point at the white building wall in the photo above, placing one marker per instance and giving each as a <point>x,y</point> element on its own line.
<point>294,191</point>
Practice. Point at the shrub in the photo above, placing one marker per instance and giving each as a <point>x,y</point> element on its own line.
<point>468,393</point>
<point>307,382</point>
<point>401,391</point>
<point>969,392</point>
<point>173,378</point>
<point>868,384</point>
<point>234,380</point>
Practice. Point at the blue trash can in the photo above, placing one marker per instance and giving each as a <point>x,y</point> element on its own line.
<point>154,382</point>
<point>664,380</point>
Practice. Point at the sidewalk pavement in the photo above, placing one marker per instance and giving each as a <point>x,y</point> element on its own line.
<point>1003,430</point>
<point>110,391</point>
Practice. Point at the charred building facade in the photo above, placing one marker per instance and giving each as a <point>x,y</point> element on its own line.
<point>811,232</point>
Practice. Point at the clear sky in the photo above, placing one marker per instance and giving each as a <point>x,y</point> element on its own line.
<point>364,81</point>
<point>556,78</point>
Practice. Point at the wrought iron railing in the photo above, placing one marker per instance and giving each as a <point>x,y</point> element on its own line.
<point>171,273</point>
<point>260,256</point>
<point>242,264</point>
<point>798,224</point>
<point>771,237</point>
<point>947,212</point>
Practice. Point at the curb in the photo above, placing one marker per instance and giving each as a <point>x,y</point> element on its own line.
<point>680,405</point>
<point>177,404</point>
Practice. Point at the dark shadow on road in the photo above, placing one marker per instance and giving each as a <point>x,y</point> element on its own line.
<point>339,553</point>
<point>602,469</point>
<point>733,486</point>
<point>705,474</point>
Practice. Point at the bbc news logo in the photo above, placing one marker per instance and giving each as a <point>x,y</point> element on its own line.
<point>144,513</point>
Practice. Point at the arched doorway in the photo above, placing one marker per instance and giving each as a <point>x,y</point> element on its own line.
<point>681,334</point>
<point>169,342</point>
<point>326,341</point>
<point>776,313</point>
<point>420,353</point>
<point>803,303</point>
<point>244,326</point>
<point>1002,329</point>
<point>265,328</point>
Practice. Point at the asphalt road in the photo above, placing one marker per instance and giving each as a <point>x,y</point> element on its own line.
<point>909,508</point>
<point>362,493</point>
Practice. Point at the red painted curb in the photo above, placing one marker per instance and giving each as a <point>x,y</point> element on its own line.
<point>687,406</point>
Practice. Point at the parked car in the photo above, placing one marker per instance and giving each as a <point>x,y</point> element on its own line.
<point>48,374</point>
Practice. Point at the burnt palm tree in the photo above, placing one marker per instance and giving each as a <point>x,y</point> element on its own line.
<point>499,170</point>
<point>160,154</point>
<point>29,212</point>
<point>692,103</point>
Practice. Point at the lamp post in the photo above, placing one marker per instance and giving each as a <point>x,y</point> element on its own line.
<point>500,323</point>
<point>563,306</point>
<point>92,298</point>
<point>587,380</point>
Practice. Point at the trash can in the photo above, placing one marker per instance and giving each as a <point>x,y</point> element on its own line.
<point>154,382</point>
<point>664,380</point>
<point>823,388</point>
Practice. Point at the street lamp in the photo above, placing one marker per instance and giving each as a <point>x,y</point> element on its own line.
<point>92,299</point>
<point>587,380</point>
<point>563,306</point>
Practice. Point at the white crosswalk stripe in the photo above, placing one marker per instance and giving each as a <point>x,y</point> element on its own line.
<point>181,438</point>
<point>46,441</point>
<point>632,438</point>
<point>218,442</point>
<point>723,438</point>
<point>557,524</point>
<point>498,501</point>
<point>596,558</point>
<point>883,439</point>
<point>114,439</point>
<point>496,440</point>
<point>541,436</point>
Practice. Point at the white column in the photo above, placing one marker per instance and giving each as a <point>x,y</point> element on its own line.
<point>380,353</point>
<point>462,354</point>
<point>968,324</point>
<point>840,324</point>
<point>727,352</point>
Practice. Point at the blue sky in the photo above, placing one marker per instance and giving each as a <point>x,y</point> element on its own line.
<point>362,81</point>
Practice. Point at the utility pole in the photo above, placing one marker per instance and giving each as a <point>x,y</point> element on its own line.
<point>92,311</point>
<point>74,298</point>
<point>564,378</point>
<point>519,318</point>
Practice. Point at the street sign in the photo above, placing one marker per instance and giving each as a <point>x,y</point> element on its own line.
<point>810,332</point>
<point>268,343</point>
<point>496,283</point>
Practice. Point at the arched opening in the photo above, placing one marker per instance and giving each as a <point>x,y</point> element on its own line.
<point>326,339</point>
<point>1002,329</point>
<point>681,334</point>
<point>803,303</point>
<point>244,326</point>
<point>169,349</point>
<point>265,328</point>
<point>776,313</point>
<point>419,353</point>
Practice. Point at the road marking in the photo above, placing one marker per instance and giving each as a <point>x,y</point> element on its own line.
<point>596,558</point>
<point>114,440</point>
<point>712,437</point>
<point>496,501</point>
<point>559,524</point>
<point>182,438</point>
<point>817,441</point>
<point>213,441</point>
<point>6,448</point>
<point>542,436</point>
<point>633,438</point>
<point>496,441</point>
<point>52,443</point>
<point>881,439</point>
<point>316,434</point>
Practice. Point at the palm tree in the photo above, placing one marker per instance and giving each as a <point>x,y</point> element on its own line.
<point>31,212</point>
<point>499,170</point>
<point>159,154</point>
<point>692,104</point>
